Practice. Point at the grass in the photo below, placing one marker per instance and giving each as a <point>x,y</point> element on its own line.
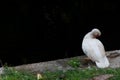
<point>82,74</point>
<point>76,74</point>
<point>74,62</point>
<point>12,74</point>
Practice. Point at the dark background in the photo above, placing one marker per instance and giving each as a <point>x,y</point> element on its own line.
<point>33,31</point>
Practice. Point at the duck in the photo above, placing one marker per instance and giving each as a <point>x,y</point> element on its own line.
<point>94,49</point>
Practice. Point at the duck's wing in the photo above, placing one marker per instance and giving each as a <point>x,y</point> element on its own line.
<point>90,48</point>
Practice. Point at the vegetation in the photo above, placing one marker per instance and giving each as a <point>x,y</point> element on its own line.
<point>74,62</point>
<point>12,74</point>
<point>82,74</point>
<point>75,74</point>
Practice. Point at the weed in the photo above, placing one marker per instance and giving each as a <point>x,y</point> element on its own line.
<point>74,62</point>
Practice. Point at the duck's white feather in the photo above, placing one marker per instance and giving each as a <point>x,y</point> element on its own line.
<point>94,49</point>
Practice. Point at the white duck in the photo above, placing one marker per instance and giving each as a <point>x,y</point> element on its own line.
<point>94,49</point>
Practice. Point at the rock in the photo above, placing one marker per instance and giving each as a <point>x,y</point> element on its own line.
<point>62,64</point>
<point>1,70</point>
<point>103,77</point>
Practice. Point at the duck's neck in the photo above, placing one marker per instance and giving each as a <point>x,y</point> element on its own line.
<point>89,36</point>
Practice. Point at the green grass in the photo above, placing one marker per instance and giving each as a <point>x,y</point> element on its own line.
<point>12,74</point>
<point>74,62</point>
<point>76,74</point>
<point>82,74</point>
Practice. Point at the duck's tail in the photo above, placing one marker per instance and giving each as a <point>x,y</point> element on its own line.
<point>103,63</point>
